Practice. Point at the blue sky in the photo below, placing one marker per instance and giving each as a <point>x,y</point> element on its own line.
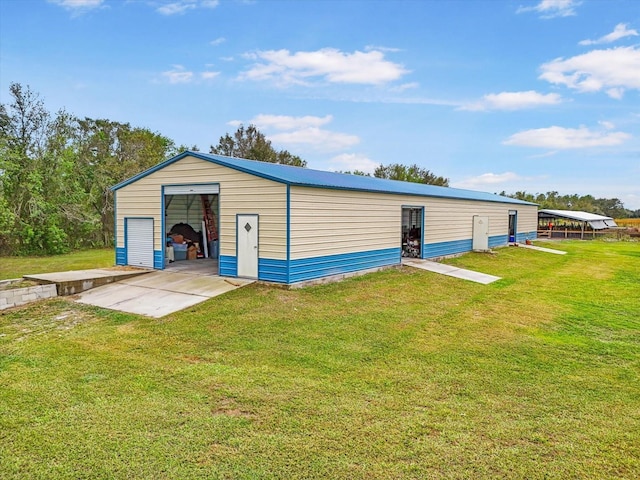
<point>495,95</point>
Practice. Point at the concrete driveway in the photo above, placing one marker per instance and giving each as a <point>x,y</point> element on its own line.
<point>158,294</point>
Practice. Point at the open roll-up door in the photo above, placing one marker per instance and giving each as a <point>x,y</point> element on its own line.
<point>192,189</point>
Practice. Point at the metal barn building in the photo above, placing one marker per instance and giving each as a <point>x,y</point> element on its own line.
<point>284,224</point>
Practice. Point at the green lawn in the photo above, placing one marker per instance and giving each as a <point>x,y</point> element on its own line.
<point>397,374</point>
<point>16,267</point>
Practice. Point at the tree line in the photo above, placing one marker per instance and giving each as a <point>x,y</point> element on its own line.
<point>56,171</point>
<point>610,207</point>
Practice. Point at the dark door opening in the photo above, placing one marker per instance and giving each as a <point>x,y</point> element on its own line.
<point>513,225</point>
<point>191,231</point>
<point>412,232</point>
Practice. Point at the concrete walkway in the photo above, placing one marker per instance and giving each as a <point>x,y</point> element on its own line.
<point>542,249</point>
<point>451,271</point>
<point>159,293</point>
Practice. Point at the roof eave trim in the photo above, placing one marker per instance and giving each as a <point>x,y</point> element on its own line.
<point>149,171</point>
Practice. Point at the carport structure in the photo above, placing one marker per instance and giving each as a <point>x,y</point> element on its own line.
<point>574,223</point>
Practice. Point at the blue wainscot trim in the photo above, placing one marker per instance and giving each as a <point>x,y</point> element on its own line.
<point>272,270</point>
<point>317,267</point>
<point>228,266</point>
<point>121,256</point>
<point>523,236</point>
<point>158,259</point>
<point>441,249</point>
<point>498,240</point>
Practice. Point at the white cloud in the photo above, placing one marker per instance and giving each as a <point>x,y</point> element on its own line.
<point>369,48</point>
<point>284,122</point>
<point>330,64</point>
<point>78,6</point>
<point>209,75</point>
<point>182,6</point>
<point>487,179</point>
<point>217,41</point>
<point>620,31</point>
<point>566,138</point>
<point>297,132</point>
<point>513,101</point>
<point>316,138</point>
<point>178,75</point>
<point>404,87</point>
<point>552,8</point>
<point>175,8</point>
<point>348,162</point>
<point>612,70</point>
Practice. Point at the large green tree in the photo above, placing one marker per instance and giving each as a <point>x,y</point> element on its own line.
<point>251,144</point>
<point>409,173</point>
<point>108,152</point>
<point>56,172</point>
<point>33,145</point>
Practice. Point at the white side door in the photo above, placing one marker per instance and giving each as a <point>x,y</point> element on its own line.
<point>480,233</point>
<point>247,254</point>
<point>139,242</point>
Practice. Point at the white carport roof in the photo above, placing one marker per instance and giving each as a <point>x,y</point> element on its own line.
<point>597,222</point>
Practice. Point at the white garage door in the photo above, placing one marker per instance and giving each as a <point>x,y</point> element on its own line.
<point>139,242</point>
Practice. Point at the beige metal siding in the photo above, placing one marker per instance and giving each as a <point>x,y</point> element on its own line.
<point>329,222</point>
<point>527,218</point>
<point>239,193</point>
<point>449,219</point>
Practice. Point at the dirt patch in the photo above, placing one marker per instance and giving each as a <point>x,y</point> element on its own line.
<point>28,321</point>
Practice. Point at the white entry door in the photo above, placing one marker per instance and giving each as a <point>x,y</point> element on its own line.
<point>247,234</point>
<point>139,242</point>
<point>480,233</point>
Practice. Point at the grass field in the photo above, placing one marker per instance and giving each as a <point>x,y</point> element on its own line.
<point>16,267</point>
<point>398,374</point>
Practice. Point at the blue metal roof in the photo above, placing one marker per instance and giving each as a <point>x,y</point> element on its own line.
<point>321,179</point>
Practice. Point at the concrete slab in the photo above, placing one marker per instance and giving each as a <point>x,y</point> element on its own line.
<point>451,271</point>
<point>159,293</point>
<point>80,275</point>
<point>542,249</point>
<point>76,281</point>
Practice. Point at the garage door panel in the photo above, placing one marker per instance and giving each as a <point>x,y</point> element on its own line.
<point>139,242</point>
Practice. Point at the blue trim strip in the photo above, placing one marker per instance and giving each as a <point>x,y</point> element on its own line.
<point>523,236</point>
<point>121,256</point>
<point>163,231</point>
<point>441,249</point>
<point>158,259</point>
<point>228,266</point>
<point>453,247</point>
<point>115,228</point>
<point>288,273</point>
<point>498,240</point>
<point>318,267</point>
<point>271,270</point>
<point>125,220</point>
